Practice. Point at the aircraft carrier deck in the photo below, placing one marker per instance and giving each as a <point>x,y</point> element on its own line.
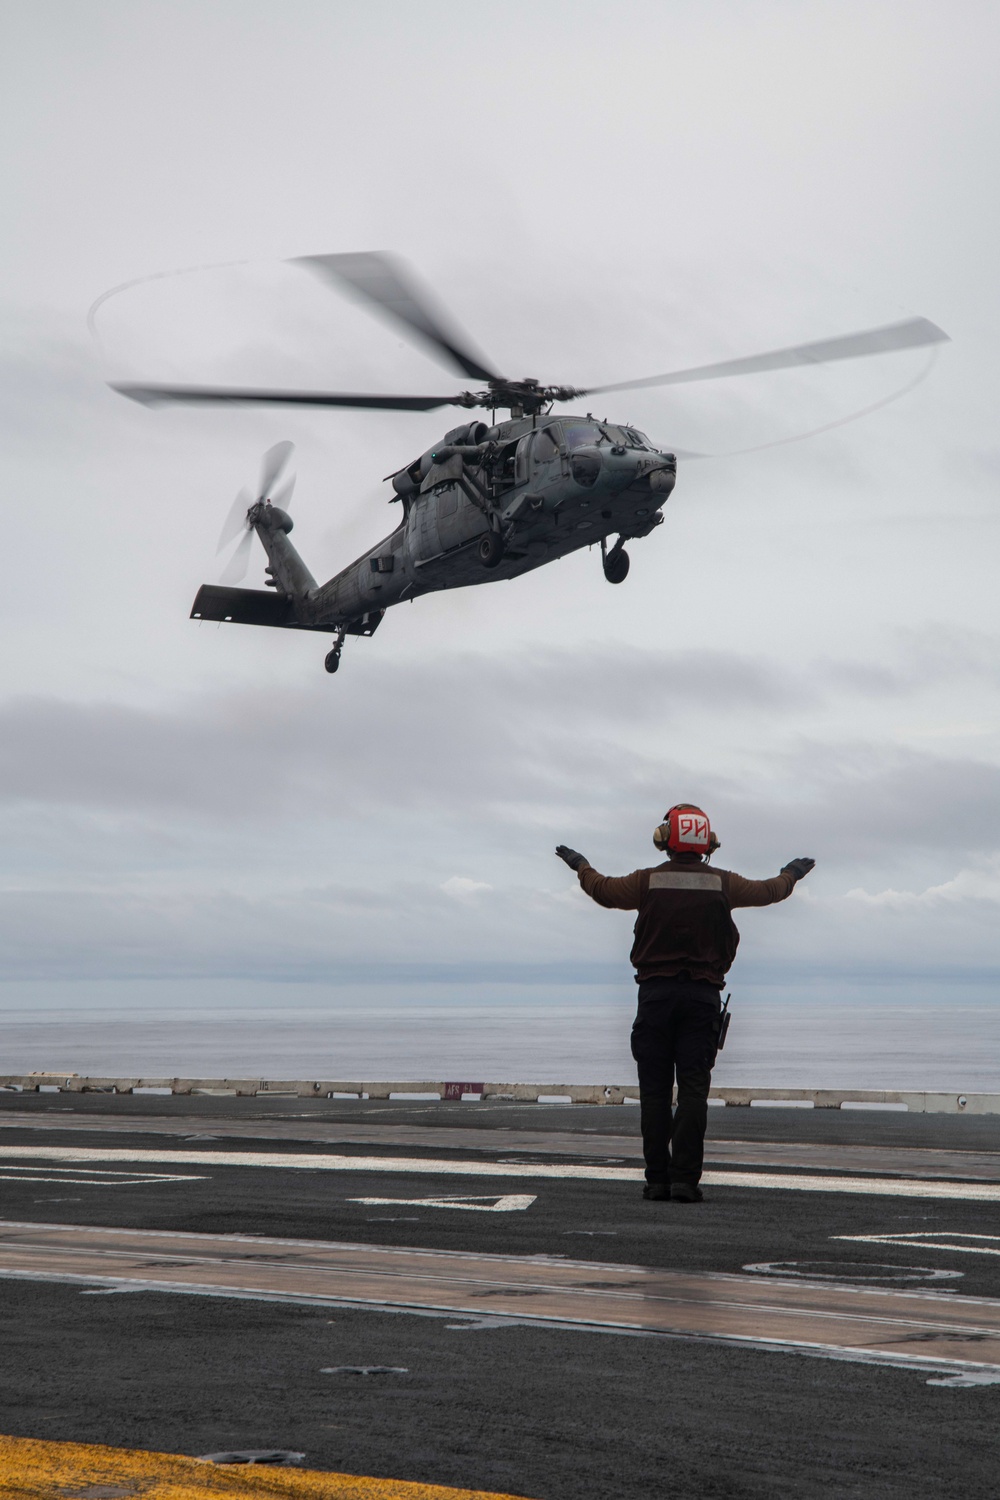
<point>475,1295</point>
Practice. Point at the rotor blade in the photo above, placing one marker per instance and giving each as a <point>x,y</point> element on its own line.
<point>381,279</point>
<point>912,334</point>
<point>159,395</point>
<point>272,466</point>
<point>236,567</point>
<point>851,416</point>
<point>236,520</point>
<point>282,497</point>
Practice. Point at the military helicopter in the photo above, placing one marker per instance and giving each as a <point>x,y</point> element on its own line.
<point>492,499</point>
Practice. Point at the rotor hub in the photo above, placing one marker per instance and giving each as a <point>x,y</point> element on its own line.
<point>519,397</point>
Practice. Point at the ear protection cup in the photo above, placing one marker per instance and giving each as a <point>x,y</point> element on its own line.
<point>686,830</point>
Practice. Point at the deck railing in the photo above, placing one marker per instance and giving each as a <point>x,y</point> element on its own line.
<point>457,1091</point>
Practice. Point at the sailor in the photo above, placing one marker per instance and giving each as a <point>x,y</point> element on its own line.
<point>685,941</point>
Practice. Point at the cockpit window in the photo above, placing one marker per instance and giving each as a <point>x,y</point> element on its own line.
<point>628,437</point>
<point>582,434</point>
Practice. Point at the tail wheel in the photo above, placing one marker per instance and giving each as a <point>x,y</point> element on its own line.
<point>616,566</point>
<point>491,549</point>
<point>332,660</point>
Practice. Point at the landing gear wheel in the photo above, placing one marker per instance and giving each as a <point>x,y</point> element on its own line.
<point>332,659</point>
<point>616,566</point>
<point>491,549</point>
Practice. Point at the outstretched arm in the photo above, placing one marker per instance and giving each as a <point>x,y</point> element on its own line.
<point>620,892</point>
<point>743,892</point>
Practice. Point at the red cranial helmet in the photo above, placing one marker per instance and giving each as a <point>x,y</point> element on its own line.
<point>686,830</point>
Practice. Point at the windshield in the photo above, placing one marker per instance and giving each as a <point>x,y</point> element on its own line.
<point>628,437</point>
<point>581,434</point>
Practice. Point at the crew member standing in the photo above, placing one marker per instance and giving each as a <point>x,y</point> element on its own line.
<point>685,941</point>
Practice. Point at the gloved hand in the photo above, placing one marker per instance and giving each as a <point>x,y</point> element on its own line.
<point>571,857</point>
<point>798,868</point>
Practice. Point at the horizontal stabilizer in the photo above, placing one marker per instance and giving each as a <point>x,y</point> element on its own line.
<point>242,606</point>
<point>261,607</point>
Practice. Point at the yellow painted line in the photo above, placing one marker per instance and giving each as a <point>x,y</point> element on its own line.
<point>34,1470</point>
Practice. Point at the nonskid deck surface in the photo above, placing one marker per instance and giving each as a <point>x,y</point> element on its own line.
<point>508,1266</point>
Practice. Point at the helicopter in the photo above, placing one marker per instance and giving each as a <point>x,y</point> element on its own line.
<point>491,500</point>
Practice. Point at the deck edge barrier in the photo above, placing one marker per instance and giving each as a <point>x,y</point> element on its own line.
<point>916,1101</point>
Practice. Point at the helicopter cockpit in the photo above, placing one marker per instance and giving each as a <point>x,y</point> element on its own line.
<point>577,434</point>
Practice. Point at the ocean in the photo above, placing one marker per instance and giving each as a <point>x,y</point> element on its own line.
<point>486,1033</point>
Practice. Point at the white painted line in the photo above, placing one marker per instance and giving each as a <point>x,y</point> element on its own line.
<point>485,1203</point>
<point>841,1270</point>
<point>880,1187</point>
<point>113,1179</point>
<point>884,1187</point>
<point>13,1172</point>
<point>921,1241</point>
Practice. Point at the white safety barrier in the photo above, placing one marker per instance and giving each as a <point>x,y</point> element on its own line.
<point>527,1093</point>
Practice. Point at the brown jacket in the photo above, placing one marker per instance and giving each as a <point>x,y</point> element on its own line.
<point>684,923</point>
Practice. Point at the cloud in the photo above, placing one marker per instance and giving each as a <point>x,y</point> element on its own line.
<point>981,885</point>
<point>297,833</point>
<point>462,889</point>
<point>547,731</point>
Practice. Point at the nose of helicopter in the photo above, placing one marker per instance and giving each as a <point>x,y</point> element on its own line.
<point>620,468</point>
<point>629,465</point>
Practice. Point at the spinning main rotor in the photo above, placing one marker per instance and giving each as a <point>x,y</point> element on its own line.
<point>381,280</point>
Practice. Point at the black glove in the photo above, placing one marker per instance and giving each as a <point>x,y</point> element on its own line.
<point>798,868</point>
<point>571,857</point>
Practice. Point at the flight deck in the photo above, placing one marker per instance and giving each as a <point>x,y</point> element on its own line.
<point>476,1296</point>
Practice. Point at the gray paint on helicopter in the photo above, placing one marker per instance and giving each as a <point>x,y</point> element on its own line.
<point>506,498</point>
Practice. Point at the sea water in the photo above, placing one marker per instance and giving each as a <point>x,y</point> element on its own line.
<point>875,1040</point>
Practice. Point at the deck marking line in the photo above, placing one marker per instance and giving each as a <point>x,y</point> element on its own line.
<point>362,1247</point>
<point>485,1203</point>
<point>498,1259</point>
<point>106,1179</point>
<point>555,1319</point>
<point>921,1241</point>
<point>907,1161</point>
<point>887,1359</point>
<point>835,1321</point>
<point>895,1187</point>
<point>778,1344</point>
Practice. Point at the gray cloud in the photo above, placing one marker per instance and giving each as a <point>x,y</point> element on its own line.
<point>458,731</point>
<point>407,819</point>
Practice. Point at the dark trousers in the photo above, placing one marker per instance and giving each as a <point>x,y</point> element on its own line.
<point>675,1032</point>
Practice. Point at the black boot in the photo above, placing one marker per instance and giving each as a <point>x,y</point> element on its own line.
<point>686,1192</point>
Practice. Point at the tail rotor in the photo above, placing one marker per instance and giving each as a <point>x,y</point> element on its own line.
<point>239,521</point>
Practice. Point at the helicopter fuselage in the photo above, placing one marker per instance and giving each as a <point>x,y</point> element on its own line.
<point>487,503</point>
<point>492,503</point>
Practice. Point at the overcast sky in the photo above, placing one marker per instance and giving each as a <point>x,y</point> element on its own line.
<point>599,191</point>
